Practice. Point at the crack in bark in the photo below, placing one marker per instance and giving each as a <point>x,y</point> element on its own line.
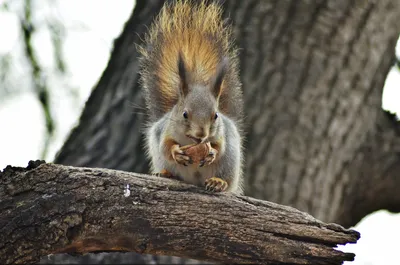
<point>80,216</point>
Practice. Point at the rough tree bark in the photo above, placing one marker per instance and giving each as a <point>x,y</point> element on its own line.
<point>51,208</point>
<point>312,72</point>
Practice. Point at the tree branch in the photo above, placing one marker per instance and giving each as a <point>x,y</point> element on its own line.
<point>375,174</point>
<point>51,208</point>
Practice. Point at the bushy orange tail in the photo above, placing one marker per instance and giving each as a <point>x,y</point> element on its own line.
<point>198,33</point>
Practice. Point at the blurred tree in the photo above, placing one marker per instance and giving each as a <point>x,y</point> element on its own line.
<point>26,12</point>
<point>313,74</point>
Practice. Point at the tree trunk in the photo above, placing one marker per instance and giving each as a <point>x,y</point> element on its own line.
<point>312,72</point>
<point>58,209</point>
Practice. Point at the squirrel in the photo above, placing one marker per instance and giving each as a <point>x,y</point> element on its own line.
<point>190,78</point>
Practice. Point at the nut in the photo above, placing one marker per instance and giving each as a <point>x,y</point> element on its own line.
<point>197,152</point>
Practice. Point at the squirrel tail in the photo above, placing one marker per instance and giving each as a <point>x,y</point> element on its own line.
<point>196,32</point>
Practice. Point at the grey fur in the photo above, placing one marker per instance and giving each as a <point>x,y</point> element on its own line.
<point>201,103</point>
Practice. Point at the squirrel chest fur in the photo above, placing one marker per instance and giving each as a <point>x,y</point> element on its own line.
<point>189,72</point>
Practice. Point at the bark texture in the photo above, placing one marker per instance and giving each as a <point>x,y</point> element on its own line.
<point>52,208</point>
<point>312,71</point>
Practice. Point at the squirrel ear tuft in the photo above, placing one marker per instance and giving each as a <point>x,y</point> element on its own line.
<point>216,85</point>
<point>183,86</point>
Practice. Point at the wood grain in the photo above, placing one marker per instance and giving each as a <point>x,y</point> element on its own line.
<point>49,208</point>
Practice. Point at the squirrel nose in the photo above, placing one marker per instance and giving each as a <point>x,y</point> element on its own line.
<point>202,136</point>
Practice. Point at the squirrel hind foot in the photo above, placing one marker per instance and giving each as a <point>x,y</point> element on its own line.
<point>166,174</point>
<point>216,184</point>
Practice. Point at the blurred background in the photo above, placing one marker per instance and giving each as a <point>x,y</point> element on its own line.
<point>52,53</point>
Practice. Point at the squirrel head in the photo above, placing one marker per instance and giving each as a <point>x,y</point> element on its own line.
<point>197,107</point>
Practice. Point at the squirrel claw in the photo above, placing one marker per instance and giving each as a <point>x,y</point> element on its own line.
<point>202,162</point>
<point>182,159</point>
<point>179,156</point>
<point>209,159</point>
<point>165,174</point>
<point>216,184</point>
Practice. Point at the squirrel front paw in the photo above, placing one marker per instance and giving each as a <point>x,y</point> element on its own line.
<point>209,159</point>
<point>179,156</point>
<point>216,184</point>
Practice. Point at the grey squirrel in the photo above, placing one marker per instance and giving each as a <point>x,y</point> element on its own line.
<point>189,73</point>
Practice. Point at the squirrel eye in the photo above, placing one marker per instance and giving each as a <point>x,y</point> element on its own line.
<point>185,115</point>
<point>216,116</point>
